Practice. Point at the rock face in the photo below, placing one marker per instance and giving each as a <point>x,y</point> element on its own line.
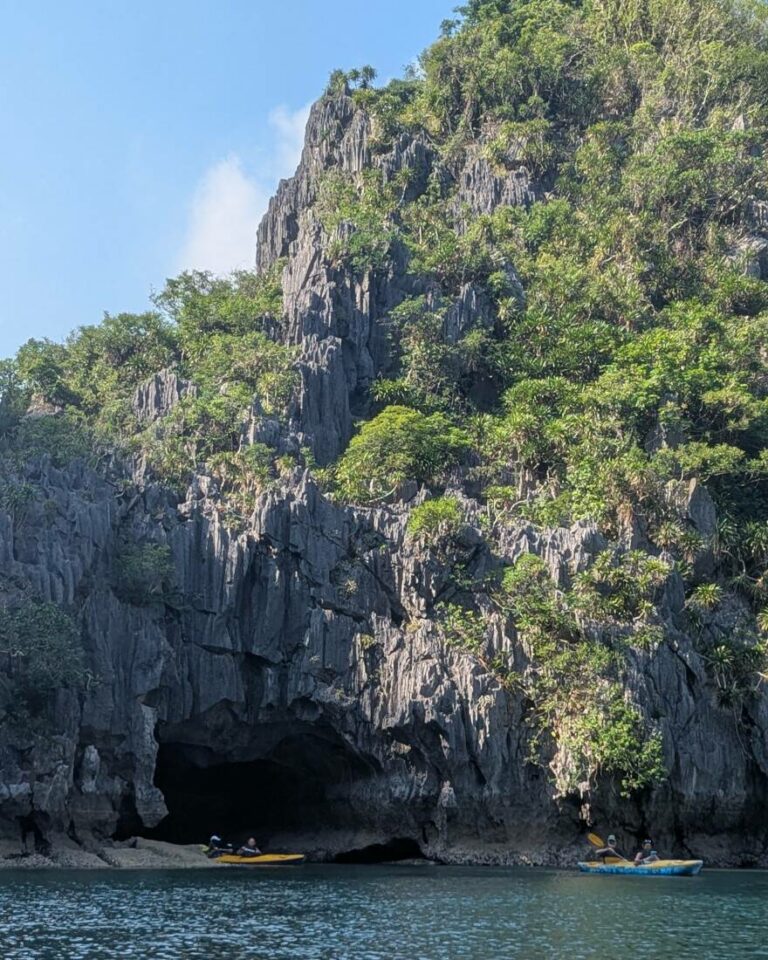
<point>158,396</point>
<point>288,679</point>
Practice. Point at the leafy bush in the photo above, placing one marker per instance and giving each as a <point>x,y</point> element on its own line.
<point>706,596</point>
<point>63,437</point>
<point>42,653</point>
<point>243,474</point>
<point>536,604</point>
<point>201,305</point>
<point>435,373</point>
<point>16,497</point>
<point>398,445</point>
<point>612,738</point>
<point>206,425</point>
<point>462,627</point>
<point>357,216</point>
<point>99,362</point>
<point>435,520</point>
<point>736,664</point>
<point>623,587</point>
<point>14,398</point>
<point>211,330</point>
<point>142,573</point>
<point>529,142</point>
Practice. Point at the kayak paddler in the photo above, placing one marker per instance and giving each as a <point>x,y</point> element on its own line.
<point>609,850</point>
<point>646,854</point>
<point>217,846</point>
<point>249,849</point>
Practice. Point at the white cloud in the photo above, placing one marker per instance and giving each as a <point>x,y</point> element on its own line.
<point>289,126</point>
<point>229,201</point>
<point>222,224</point>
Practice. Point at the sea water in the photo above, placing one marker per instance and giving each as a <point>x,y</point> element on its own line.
<point>374,912</point>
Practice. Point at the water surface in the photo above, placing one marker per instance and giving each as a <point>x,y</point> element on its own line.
<point>377,912</point>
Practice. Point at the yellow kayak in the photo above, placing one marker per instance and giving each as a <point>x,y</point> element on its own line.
<point>263,859</point>
<point>661,868</point>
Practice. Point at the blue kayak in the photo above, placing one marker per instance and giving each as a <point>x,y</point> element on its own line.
<point>662,868</point>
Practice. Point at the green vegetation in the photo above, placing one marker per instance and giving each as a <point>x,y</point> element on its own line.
<point>205,425</point>
<point>435,374</point>
<point>143,573</point>
<point>620,587</point>
<point>634,362</point>
<point>210,332</point>
<point>64,437</point>
<point>13,397</point>
<point>634,358</point>
<point>706,596</point>
<point>737,664</point>
<point>340,81</point>
<point>230,362</point>
<point>573,679</point>
<point>16,496</point>
<point>357,217</point>
<point>244,473</point>
<point>436,520</point>
<point>397,445</point>
<point>41,653</point>
<point>462,628</point>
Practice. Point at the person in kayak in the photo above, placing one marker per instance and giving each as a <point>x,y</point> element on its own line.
<point>217,846</point>
<point>646,854</point>
<point>609,850</point>
<point>249,849</point>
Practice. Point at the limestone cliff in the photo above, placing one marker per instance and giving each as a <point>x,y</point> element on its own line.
<point>290,678</point>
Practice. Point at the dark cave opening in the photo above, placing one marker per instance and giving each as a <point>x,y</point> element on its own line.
<point>399,848</point>
<point>231,799</point>
<point>300,786</point>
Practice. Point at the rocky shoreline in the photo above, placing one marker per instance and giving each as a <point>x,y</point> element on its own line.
<point>140,853</point>
<point>137,854</point>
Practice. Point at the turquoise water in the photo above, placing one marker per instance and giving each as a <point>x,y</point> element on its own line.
<point>378,912</point>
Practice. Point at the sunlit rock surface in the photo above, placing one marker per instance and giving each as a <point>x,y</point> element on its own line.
<point>291,681</point>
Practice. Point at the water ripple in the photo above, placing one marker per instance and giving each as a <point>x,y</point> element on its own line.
<point>380,913</point>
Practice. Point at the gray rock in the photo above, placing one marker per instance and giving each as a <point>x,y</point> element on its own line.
<point>297,656</point>
<point>481,189</point>
<point>159,395</point>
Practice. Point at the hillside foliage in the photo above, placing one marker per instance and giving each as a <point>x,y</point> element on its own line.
<point>633,361</point>
<point>213,333</point>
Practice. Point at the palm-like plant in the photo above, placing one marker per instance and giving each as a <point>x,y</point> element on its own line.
<point>691,544</point>
<point>668,534</point>
<point>725,539</point>
<point>756,541</point>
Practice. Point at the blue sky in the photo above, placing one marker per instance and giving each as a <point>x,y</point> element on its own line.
<point>140,138</point>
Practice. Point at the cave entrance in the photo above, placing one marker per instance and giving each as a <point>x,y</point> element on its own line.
<point>300,786</point>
